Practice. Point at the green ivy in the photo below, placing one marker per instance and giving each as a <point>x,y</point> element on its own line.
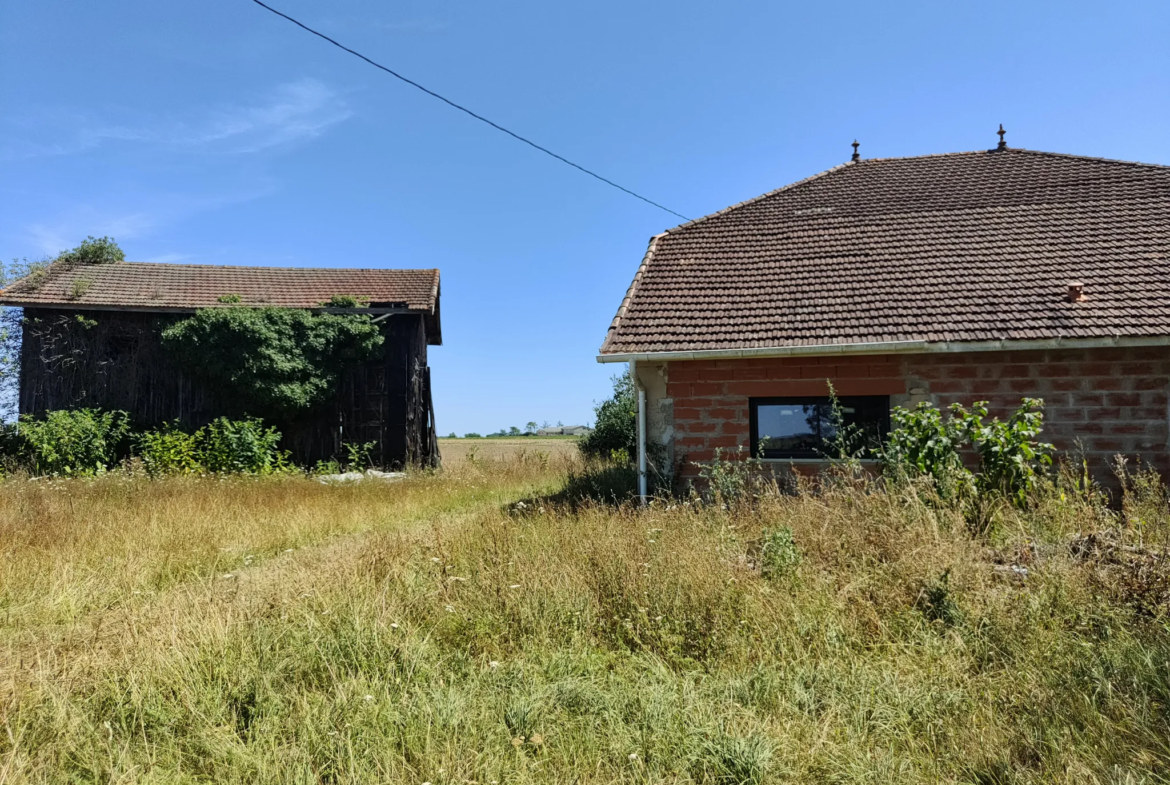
<point>272,362</point>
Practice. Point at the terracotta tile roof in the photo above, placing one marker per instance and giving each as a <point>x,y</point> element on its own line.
<point>143,285</point>
<point>958,247</point>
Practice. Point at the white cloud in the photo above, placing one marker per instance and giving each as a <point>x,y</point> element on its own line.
<point>78,221</point>
<point>294,112</point>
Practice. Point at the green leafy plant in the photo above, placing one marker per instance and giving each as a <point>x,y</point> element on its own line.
<point>730,480</point>
<point>357,456</point>
<point>93,250</point>
<point>240,446</point>
<point>229,299</point>
<point>924,443</point>
<point>616,427</point>
<point>779,555</point>
<point>345,301</point>
<point>79,288</point>
<point>75,442</point>
<point>1011,461</point>
<point>271,362</point>
<point>168,450</point>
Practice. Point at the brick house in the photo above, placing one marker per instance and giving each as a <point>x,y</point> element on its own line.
<point>991,275</point>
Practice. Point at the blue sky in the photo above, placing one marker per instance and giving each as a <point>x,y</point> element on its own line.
<point>215,132</point>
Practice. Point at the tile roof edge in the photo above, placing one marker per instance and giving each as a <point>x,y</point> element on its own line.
<point>621,311</point>
<point>755,199</point>
<point>889,347</point>
<point>258,267</point>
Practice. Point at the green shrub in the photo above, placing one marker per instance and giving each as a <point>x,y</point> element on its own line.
<point>168,450</point>
<point>75,442</point>
<point>924,444</point>
<point>1011,461</point>
<point>779,555</point>
<point>240,446</point>
<point>93,250</point>
<point>617,422</point>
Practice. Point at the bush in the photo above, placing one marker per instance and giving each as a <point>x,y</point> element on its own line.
<point>75,442</point>
<point>924,444</point>
<point>93,250</point>
<point>779,555</point>
<point>1011,462</point>
<point>169,450</point>
<point>234,446</point>
<point>223,446</point>
<point>617,422</point>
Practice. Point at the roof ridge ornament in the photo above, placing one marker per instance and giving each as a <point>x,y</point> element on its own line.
<point>1002,144</point>
<point>856,155</point>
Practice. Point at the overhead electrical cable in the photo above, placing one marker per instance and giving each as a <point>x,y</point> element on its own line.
<point>465,110</point>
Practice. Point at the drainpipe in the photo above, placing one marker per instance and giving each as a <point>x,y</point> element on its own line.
<point>642,494</point>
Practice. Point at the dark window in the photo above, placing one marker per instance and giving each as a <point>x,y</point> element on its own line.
<point>804,427</point>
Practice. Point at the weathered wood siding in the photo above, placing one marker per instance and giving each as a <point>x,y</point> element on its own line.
<point>115,360</point>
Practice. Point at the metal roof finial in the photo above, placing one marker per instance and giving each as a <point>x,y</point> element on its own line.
<point>856,155</point>
<point>1002,144</point>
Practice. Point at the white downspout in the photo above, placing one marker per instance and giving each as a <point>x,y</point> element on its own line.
<point>642,491</point>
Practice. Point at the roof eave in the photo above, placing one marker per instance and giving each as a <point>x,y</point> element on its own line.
<point>890,347</point>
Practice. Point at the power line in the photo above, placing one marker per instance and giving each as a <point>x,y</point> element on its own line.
<point>465,110</point>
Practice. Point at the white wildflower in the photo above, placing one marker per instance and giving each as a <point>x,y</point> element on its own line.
<point>494,664</point>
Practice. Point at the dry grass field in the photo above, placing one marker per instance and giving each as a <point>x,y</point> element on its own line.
<point>481,626</point>
<point>456,451</point>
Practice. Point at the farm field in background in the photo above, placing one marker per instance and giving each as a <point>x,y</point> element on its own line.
<point>484,624</point>
<point>456,451</point>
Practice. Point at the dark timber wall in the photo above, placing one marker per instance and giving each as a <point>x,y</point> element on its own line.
<point>115,360</point>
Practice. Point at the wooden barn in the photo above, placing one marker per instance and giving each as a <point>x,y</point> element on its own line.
<point>92,338</point>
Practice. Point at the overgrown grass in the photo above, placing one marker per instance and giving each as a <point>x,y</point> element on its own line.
<point>437,631</point>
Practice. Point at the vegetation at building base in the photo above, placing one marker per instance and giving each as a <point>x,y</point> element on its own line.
<point>435,631</point>
<point>90,442</point>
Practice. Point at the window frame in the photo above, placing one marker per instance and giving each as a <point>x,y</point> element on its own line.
<point>802,400</point>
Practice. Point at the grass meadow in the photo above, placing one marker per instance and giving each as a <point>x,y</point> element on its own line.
<point>481,625</point>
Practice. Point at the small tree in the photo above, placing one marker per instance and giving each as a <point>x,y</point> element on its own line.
<point>93,250</point>
<point>530,427</point>
<point>616,429</point>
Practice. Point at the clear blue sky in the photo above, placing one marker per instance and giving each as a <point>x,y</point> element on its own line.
<point>215,132</point>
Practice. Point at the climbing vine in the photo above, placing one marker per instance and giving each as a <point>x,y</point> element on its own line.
<point>271,362</point>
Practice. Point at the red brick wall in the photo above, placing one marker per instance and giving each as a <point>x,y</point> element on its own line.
<point>1111,400</point>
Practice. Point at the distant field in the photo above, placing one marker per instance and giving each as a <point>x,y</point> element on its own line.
<point>455,451</point>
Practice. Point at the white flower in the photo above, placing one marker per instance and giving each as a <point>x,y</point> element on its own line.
<point>393,625</point>
<point>369,698</point>
<point>494,664</point>
<point>633,756</point>
<point>450,608</point>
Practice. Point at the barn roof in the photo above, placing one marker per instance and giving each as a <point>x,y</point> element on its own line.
<point>185,287</point>
<point>148,286</point>
<point>962,247</point>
